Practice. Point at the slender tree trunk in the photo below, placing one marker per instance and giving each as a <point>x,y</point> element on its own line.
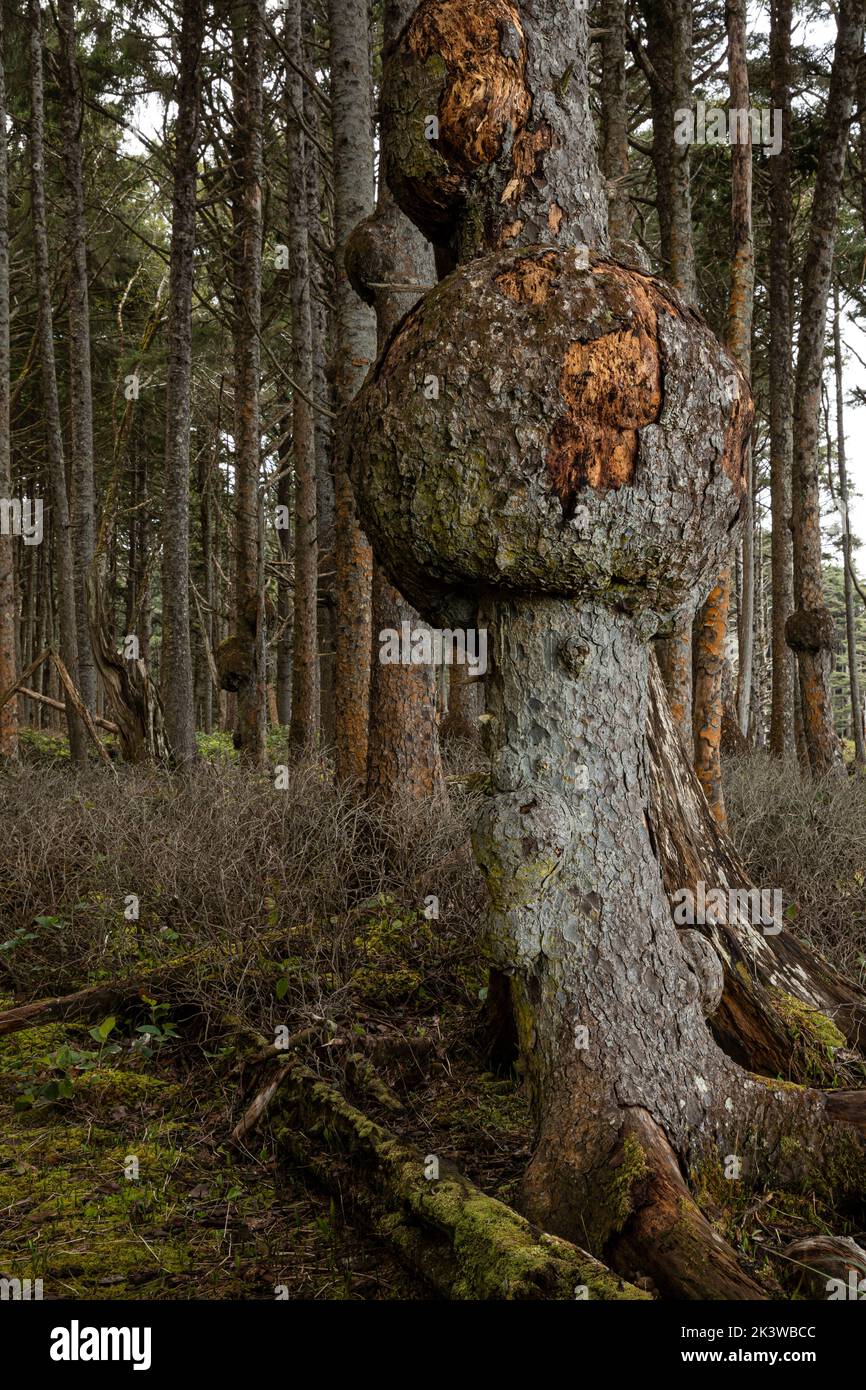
<point>781,330</point>
<point>614,119</point>
<point>177,674</point>
<point>739,329</point>
<point>321,298</point>
<point>712,627</point>
<point>850,621</point>
<point>304,727</point>
<point>403,745</point>
<point>8,605</point>
<point>64,563</point>
<point>669,47</point>
<point>80,384</point>
<point>352,117</point>
<point>244,676</point>
<point>810,630</point>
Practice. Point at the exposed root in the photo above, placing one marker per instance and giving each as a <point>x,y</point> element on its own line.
<point>666,1235</point>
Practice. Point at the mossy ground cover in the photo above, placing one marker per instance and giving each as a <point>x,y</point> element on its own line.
<point>127,1189</point>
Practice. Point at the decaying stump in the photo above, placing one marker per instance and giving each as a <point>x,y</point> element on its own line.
<point>554,438</point>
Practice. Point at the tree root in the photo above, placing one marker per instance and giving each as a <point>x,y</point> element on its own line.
<point>465,1244</point>
<point>666,1235</point>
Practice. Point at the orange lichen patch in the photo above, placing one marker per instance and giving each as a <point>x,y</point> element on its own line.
<point>737,436</point>
<point>529,280</point>
<point>484,50</point>
<point>528,148</point>
<point>509,232</point>
<point>612,385</point>
<point>554,218</point>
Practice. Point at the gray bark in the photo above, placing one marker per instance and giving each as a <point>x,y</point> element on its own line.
<point>63,559</point>
<point>177,671</point>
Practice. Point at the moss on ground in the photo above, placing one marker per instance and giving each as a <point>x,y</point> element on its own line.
<point>124,1190</point>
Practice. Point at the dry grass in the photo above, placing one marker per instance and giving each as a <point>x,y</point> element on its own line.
<point>809,839</point>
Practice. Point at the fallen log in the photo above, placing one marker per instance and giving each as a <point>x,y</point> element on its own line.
<point>466,1244</point>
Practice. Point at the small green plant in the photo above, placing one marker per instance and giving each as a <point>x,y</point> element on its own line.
<point>68,1063</point>
<point>160,1029</point>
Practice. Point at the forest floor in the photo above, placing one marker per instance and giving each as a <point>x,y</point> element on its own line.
<point>117,1174</point>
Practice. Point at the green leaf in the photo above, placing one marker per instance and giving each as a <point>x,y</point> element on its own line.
<point>282,987</point>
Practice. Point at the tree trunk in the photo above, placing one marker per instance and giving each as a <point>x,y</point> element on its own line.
<point>80,385</point>
<point>810,630</point>
<point>63,560</point>
<point>322,295</point>
<point>240,663</point>
<point>403,743</point>
<point>669,47</point>
<point>177,674</point>
<point>614,120</point>
<point>850,621</point>
<point>304,728</point>
<point>520,485</point>
<point>352,120</point>
<point>8,597</point>
<point>710,657</point>
<point>781,329</point>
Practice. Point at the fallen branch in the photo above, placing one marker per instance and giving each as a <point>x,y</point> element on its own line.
<point>466,1244</point>
<point>80,708</point>
<point>100,723</point>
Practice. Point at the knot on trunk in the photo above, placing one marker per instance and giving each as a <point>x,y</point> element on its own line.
<point>376,254</point>
<point>234,663</point>
<point>454,102</point>
<point>548,421</point>
<point>811,630</point>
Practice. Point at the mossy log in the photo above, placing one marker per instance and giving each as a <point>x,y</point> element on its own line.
<point>466,1244</point>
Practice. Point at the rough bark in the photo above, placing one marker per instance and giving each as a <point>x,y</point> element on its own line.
<point>61,524</point>
<point>352,121</point>
<point>712,625</point>
<point>850,621</point>
<point>83,503</point>
<point>248,681</point>
<point>177,671</point>
<point>8,595</point>
<point>304,727</point>
<point>669,48</point>
<point>613,151</point>
<point>810,629</point>
<point>781,330</point>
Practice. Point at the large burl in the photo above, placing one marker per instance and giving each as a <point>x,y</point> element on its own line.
<point>539,427</point>
<point>551,439</point>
